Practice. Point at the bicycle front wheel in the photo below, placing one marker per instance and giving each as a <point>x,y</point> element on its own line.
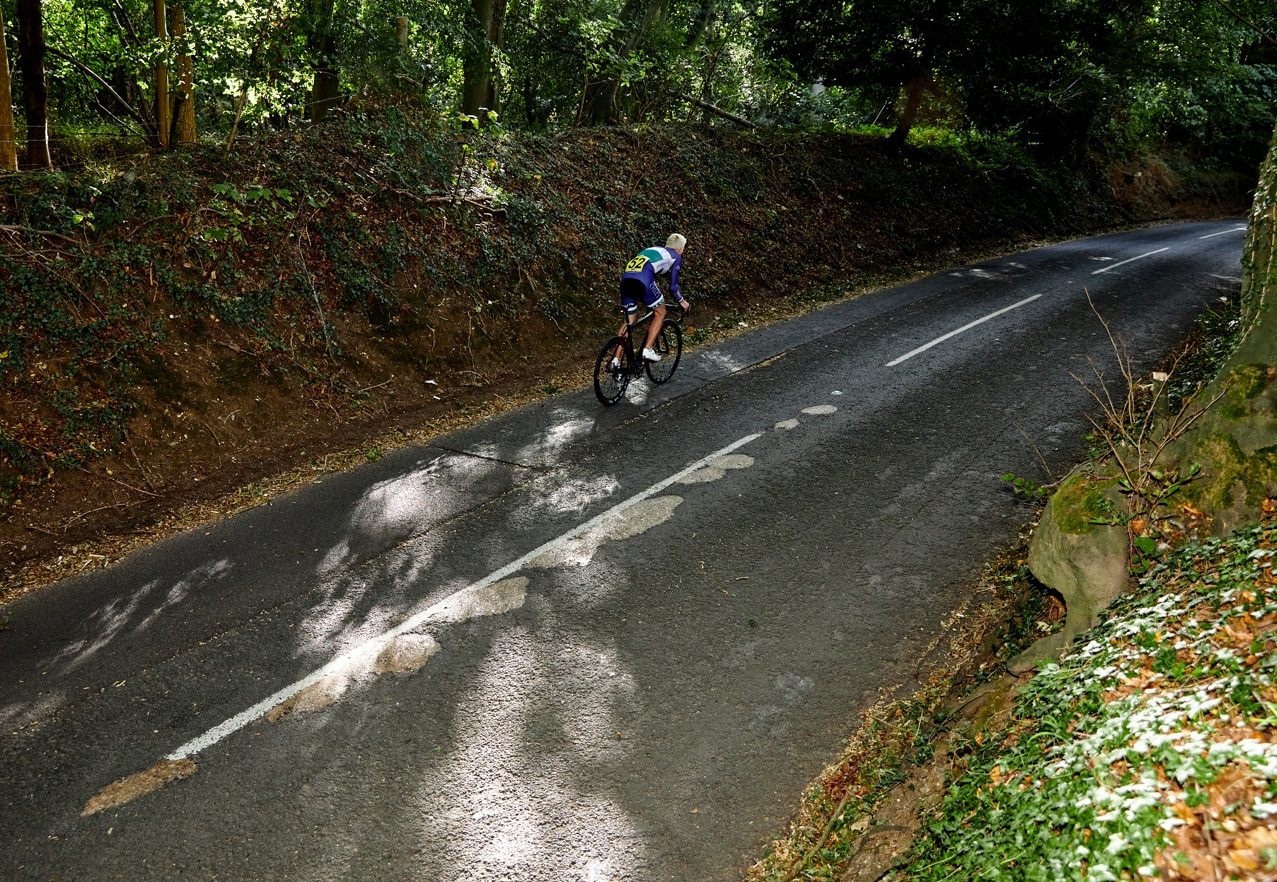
<point>611,381</point>
<point>669,346</point>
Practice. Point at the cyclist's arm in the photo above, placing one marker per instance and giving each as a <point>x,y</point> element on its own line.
<point>678,295</point>
<point>673,276</point>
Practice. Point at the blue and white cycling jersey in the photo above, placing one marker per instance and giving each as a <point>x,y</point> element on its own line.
<point>651,262</point>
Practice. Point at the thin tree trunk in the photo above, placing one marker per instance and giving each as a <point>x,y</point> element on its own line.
<point>184,112</point>
<point>239,112</point>
<point>8,136</point>
<point>326,89</point>
<point>916,86</point>
<point>35,91</point>
<point>704,15</point>
<point>496,38</point>
<point>163,122</point>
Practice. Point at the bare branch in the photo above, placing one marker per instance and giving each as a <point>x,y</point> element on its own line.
<point>705,105</point>
<point>96,77</point>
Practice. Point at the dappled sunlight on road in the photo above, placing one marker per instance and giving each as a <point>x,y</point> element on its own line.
<point>718,362</point>
<point>639,392</point>
<point>422,496</point>
<point>521,795</point>
<point>18,714</point>
<point>569,426</point>
<point>349,611</point>
<point>136,612</point>
<point>350,608</point>
<point>556,493</point>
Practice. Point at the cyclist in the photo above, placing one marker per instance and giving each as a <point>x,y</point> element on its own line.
<point>638,284</point>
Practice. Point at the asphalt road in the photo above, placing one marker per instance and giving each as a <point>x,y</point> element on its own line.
<point>574,643</point>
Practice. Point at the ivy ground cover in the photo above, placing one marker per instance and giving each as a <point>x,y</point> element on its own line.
<point>1150,752</point>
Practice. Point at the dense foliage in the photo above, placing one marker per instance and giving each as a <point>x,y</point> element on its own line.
<point>1063,74</point>
<point>1059,76</point>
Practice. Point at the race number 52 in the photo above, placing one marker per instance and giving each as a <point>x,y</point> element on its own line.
<point>636,265</point>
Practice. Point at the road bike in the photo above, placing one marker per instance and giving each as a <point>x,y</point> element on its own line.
<point>620,360</point>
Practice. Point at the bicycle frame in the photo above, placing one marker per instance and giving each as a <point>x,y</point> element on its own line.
<point>628,333</point>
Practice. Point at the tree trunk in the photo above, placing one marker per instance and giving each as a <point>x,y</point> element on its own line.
<point>184,112</point>
<point>916,86</point>
<point>35,91</point>
<point>162,119</point>
<point>1259,270</point>
<point>598,105</point>
<point>478,90</point>
<point>326,88</point>
<point>8,137</point>
<point>704,15</point>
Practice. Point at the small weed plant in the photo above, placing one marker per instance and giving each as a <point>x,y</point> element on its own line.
<point>1137,426</point>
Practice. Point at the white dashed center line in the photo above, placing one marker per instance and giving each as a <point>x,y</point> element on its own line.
<point>966,327</point>
<point>1223,233</point>
<point>1130,260</point>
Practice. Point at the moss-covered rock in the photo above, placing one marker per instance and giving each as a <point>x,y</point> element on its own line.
<point>1234,482</point>
<point>1242,389</point>
<point>1080,501</point>
<point>1086,562</point>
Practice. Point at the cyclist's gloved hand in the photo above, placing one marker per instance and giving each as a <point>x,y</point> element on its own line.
<point>687,307</point>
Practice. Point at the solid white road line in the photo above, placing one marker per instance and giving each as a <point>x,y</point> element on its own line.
<point>1130,260</point>
<point>1223,232</point>
<point>967,327</point>
<point>375,644</point>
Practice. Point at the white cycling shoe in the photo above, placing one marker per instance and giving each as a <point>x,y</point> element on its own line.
<point>616,364</point>
<point>650,355</point>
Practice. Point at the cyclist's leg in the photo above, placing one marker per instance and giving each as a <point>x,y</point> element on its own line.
<point>655,301</point>
<point>658,319</point>
<point>632,291</point>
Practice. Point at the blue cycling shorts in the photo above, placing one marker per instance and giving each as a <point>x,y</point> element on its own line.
<point>633,290</point>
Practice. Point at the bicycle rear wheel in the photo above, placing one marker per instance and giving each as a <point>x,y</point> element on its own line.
<point>611,382</point>
<point>669,346</point>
